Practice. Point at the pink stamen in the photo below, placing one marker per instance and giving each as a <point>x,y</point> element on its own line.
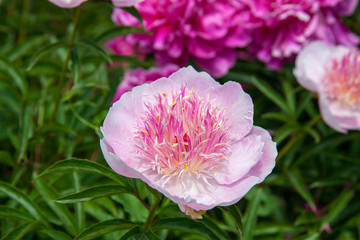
<point>342,81</point>
<point>183,135</point>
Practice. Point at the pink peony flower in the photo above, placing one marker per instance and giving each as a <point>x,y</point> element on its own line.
<point>334,73</point>
<point>190,138</point>
<point>288,25</point>
<point>125,3</point>
<point>138,76</point>
<point>206,31</point>
<point>67,3</point>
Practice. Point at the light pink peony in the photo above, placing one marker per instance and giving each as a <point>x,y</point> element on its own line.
<point>138,76</point>
<point>67,3</point>
<point>125,3</point>
<point>206,31</point>
<point>190,138</point>
<point>334,73</point>
<point>288,25</point>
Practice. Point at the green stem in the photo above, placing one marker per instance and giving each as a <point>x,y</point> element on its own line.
<point>151,214</point>
<point>66,62</point>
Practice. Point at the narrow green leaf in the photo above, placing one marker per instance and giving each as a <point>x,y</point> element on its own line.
<point>214,227</point>
<point>289,95</point>
<point>131,233</point>
<point>19,232</point>
<point>337,206</point>
<point>79,207</point>
<point>82,165</point>
<point>276,116</point>
<point>27,46</point>
<point>21,198</point>
<point>295,178</point>
<point>235,213</point>
<point>26,131</point>
<point>95,48</point>
<point>56,235</point>
<point>283,133</point>
<point>103,228</point>
<point>75,65</point>
<point>46,50</point>
<point>16,74</point>
<point>251,214</point>
<point>48,194</point>
<point>92,193</point>
<point>116,32</point>
<point>11,213</point>
<point>271,94</point>
<point>184,224</point>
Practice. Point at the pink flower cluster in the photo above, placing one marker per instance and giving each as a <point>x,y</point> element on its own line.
<point>76,3</point>
<point>190,138</point>
<point>210,32</point>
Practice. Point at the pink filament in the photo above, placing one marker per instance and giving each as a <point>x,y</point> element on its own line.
<point>183,135</point>
<point>342,81</point>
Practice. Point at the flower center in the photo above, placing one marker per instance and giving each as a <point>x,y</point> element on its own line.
<point>342,80</point>
<point>183,135</point>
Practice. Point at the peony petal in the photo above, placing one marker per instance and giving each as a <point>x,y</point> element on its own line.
<point>310,65</point>
<point>327,115</point>
<point>67,3</point>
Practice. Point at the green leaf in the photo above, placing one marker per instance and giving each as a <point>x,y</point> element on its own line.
<point>48,194</point>
<point>79,207</point>
<point>103,228</point>
<point>11,213</point>
<point>116,32</point>
<point>184,224</point>
<point>56,235</point>
<point>133,206</point>
<point>235,213</point>
<point>270,94</point>
<point>75,65</point>
<point>46,50</point>
<point>131,233</point>
<point>296,180</point>
<point>95,48</point>
<point>16,74</point>
<point>82,165</point>
<point>251,214</point>
<point>5,158</point>
<point>27,46</point>
<point>337,206</point>
<point>26,131</point>
<point>21,198</point>
<point>19,232</point>
<point>92,193</point>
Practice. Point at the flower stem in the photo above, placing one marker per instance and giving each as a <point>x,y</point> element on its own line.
<point>151,213</point>
<point>66,62</point>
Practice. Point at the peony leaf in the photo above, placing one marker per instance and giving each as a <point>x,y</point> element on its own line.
<point>82,165</point>
<point>56,235</point>
<point>92,193</point>
<point>270,94</point>
<point>19,232</point>
<point>16,74</point>
<point>95,48</point>
<point>296,180</point>
<point>136,233</point>
<point>116,32</point>
<point>46,50</point>
<point>21,198</point>
<point>184,224</point>
<point>235,213</point>
<point>103,228</point>
<point>11,213</point>
<point>251,214</point>
<point>48,194</point>
<point>337,206</point>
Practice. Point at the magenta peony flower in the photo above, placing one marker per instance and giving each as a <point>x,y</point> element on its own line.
<point>334,73</point>
<point>67,3</point>
<point>138,76</point>
<point>206,31</point>
<point>288,25</point>
<point>190,138</point>
<point>125,3</point>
